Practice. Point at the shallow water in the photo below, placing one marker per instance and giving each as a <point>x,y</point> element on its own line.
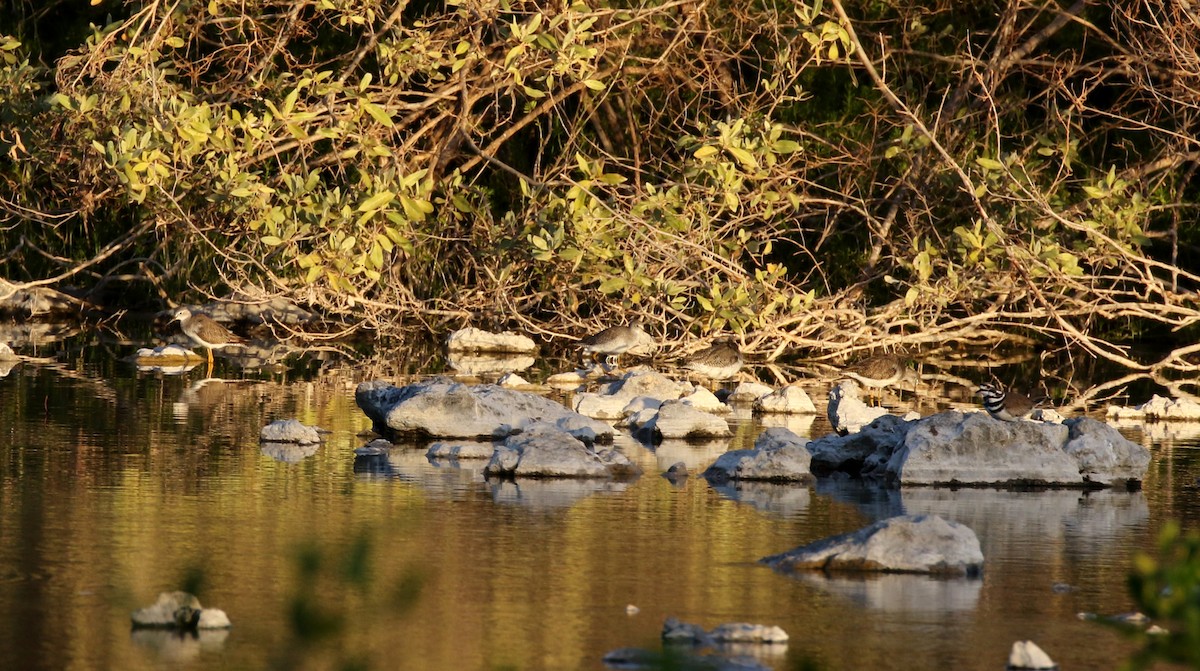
<point>116,485</point>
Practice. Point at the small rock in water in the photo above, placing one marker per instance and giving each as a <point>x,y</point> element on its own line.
<point>1027,655</point>
<point>289,431</point>
<point>1062,588</point>
<point>632,610</point>
<point>180,610</point>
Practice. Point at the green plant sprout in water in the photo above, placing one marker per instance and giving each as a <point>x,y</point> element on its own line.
<point>1167,589</point>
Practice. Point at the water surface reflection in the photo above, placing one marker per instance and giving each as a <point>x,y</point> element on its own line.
<point>119,486</point>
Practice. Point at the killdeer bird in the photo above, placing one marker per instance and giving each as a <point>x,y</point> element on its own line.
<point>204,331</point>
<point>614,341</point>
<point>1008,406</point>
<point>720,362</point>
<point>876,372</point>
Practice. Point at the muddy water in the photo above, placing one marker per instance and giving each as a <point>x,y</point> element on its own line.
<point>116,485</point>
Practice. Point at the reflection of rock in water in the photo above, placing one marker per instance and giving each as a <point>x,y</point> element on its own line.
<point>904,593</point>
<point>290,453</point>
<point>488,364</point>
<point>408,463</point>
<point>875,502</point>
<point>784,499</point>
<point>7,365</point>
<point>801,425</point>
<point>550,494</point>
<point>180,646</point>
<point>697,455</point>
<point>1037,522</point>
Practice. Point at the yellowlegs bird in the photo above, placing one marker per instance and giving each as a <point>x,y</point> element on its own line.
<point>204,330</point>
<point>720,362</point>
<point>876,372</point>
<point>1007,405</point>
<point>614,341</point>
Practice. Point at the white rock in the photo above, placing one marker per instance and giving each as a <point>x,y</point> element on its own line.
<point>7,354</point>
<point>705,400</point>
<point>289,431</point>
<point>742,632</point>
<point>676,419</point>
<point>514,381</point>
<point>778,455</point>
<point>748,392</point>
<point>213,618</point>
<point>478,340</point>
<point>909,543</point>
<point>1027,655</point>
<point>790,399</point>
<point>846,410</point>
<point>461,450</point>
<point>639,404</point>
<point>1161,408</point>
<point>544,450</point>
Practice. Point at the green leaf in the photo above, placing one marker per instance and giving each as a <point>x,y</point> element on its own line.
<point>377,112</point>
<point>705,151</point>
<point>271,241</point>
<point>989,164</point>
<point>594,84</point>
<point>377,201</point>
<point>786,146</point>
<point>613,285</point>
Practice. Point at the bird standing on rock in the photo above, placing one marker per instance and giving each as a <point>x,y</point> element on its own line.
<point>614,341</point>
<point>1008,406</point>
<point>876,372</point>
<point>720,362</point>
<point>205,331</point>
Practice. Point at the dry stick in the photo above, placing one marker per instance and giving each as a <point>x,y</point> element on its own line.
<point>1087,341</point>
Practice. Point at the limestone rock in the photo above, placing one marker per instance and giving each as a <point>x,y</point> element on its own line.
<point>846,410</point>
<point>1027,655</point>
<point>676,419</point>
<point>471,339</point>
<point>749,392</point>
<point>289,431</point>
<point>544,450</point>
<point>1159,408</point>
<point>179,610</point>
<point>441,408</point>
<point>864,453</point>
<point>906,544</point>
<point>778,455</point>
<point>790,400</point>
<point>1103,455</point>
<point>468,449</point>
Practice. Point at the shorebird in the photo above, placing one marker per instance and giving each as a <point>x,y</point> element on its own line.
<point>876,372</point>
<point>1008,406</point>
<point>720,362</point>
<point>614,341</point>
<point>204,331</point>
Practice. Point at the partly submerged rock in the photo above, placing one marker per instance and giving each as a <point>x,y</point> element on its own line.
<point>675,631</point>
<point>972,448</point>
<point>441,408</point>
<point>846,410</point>
<point>1159,408</point>
<point>546,451</point>
<point>1027,655</point>
<point>462,449</point>
<point>6,352</point>
<point>1103,455</point>
<point>906,544</point>
<point>677,419</point>
<point>788,400</point>
<point>180,610</point>
<point>289,431</point>
<point>778,455</point>
<point>471,339</point>
<point>748,392</point>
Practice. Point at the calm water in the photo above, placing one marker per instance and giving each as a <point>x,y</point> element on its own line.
<point>116,485</point>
